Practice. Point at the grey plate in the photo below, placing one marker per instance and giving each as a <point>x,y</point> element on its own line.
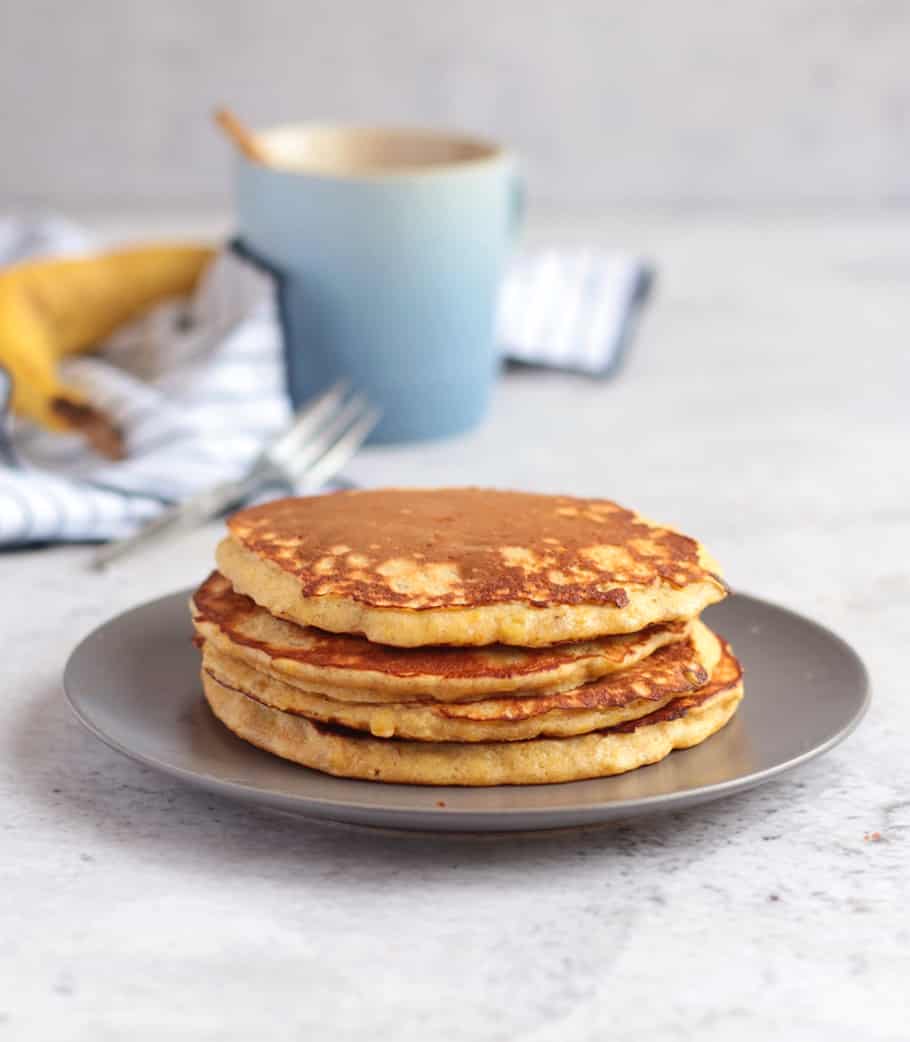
<point>134,682</point>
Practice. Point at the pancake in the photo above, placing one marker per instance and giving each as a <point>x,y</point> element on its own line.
<point>675,670</point>
<point>465,566</point>
<point>681,723</point>
<point>355,669</point>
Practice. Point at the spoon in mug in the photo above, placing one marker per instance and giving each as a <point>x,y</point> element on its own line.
<point>244,139</point>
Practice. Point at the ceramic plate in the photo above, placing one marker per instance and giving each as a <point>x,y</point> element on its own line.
<point>134,682</point>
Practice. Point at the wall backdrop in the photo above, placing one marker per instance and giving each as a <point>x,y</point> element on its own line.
<point>612,102</point>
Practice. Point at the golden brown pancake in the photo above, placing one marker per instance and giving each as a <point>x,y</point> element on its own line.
<point>336,750</point>
<point>355,669</point>
<point>465,566</point>
<point>674,670</point>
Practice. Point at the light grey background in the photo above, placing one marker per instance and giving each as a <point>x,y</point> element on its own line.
<point>648,103</point>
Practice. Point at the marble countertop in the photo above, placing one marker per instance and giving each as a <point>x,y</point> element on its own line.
<point>764,407</point>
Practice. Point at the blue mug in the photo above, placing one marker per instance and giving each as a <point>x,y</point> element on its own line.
<point>389,247</point>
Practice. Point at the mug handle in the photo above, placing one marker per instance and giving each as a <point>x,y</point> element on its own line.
<point>241,249</point>
<point>238,246</point>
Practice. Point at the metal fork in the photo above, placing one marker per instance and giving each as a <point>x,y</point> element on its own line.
<point>324,436</point>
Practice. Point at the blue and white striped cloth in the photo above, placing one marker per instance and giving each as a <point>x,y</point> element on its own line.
<point>572,309</point>
<point>197,386</point>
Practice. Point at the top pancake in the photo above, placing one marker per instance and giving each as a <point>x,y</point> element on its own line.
<point>465,566</point>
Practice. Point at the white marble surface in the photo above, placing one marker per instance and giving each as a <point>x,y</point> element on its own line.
<point>764,407</point>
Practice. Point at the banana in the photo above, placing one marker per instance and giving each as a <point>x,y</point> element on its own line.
<point>53,308</point>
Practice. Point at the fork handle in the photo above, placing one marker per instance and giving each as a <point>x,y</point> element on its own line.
<point>190,513</point>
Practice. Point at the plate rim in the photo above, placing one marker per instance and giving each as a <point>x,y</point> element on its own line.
<point>329,808</point>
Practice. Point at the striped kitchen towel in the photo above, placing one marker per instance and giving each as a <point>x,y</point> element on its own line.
<point>198,386</point>
<point>572,309</point>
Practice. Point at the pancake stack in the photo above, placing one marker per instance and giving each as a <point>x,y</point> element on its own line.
<point>462,636</point>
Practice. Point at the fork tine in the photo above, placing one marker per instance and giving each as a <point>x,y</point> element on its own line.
<point>312,449</point>
<point>337,455</point>
<point>307,421</point>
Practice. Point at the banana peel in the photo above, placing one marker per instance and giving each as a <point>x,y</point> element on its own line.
<point>50,309</point>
